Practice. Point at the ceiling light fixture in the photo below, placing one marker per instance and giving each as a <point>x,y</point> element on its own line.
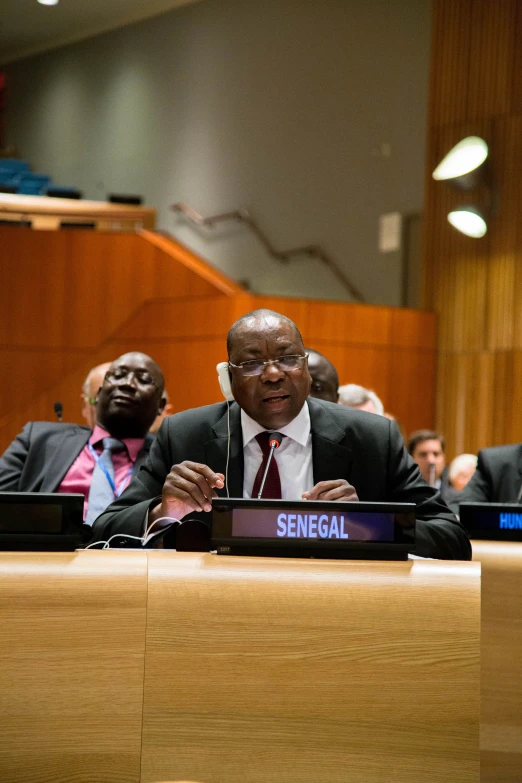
<point>464,165</point>
<point>469,220</point>
<point>48,2</point>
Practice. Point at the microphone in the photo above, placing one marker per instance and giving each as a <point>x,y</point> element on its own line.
<point>274,442</point>
<point>519,496</point>
<point>58,409</point>
<point>431,474</point>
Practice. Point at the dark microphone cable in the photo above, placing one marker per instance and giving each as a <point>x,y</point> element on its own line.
<point>58,409</point>
<point>274,441</point>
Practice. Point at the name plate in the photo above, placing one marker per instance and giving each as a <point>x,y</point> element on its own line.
<point>492,521</point>
<point>312,528</point>
<point>325,525</point>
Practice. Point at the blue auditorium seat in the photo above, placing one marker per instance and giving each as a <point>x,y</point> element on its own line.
<point>12,170</point>
<point>33,184</point>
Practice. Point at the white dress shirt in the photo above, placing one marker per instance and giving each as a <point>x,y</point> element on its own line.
<point>293,457</point>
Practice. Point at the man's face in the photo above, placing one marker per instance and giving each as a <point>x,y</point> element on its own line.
<point>324,382</point>
<point>130,397</point>
<point>429,452</point>
<point>275,397</point>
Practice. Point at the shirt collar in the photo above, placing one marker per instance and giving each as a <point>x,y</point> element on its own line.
<point>133,445</point>
<point>298,429</point>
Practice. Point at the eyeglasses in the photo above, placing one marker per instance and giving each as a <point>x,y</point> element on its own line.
<point>283,363</point>
<point>143,378</point>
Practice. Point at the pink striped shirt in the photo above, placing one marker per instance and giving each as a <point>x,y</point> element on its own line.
<point>79,476</point>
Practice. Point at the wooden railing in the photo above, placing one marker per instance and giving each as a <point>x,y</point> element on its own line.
<point>312,251</point>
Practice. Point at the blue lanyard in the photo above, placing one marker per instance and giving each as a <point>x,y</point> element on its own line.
<point>117,492</point>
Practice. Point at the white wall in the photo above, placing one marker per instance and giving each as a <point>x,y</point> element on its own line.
<point>281,107</point>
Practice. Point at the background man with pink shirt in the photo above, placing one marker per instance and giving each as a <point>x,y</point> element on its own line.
<point>50,457</point>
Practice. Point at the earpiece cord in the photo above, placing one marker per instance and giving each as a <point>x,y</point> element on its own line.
<point>228,448</point>
<point>143,539</point>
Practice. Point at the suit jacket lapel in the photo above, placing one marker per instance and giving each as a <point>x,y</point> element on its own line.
<point>67,449</point>
<point>330,458</point>
<point>217,448</point>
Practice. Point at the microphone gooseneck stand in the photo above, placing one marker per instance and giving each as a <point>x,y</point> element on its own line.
<point>275,442</point>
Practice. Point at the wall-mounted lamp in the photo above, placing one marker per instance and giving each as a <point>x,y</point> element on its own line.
<point>464,165</point>
<point>470,220</point>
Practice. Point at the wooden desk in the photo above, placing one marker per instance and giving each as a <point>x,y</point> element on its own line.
<point>72,652</point>
<point>501,648</point>
<point>237,669</point>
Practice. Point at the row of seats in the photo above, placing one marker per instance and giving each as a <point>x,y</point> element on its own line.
<point>17,177</point>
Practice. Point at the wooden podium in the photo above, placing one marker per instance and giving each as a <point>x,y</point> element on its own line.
<point>124,666</point>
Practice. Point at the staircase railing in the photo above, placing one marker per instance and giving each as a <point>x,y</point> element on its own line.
<point>241,215</point>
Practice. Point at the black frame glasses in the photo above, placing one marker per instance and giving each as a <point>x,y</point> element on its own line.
<point>285,363</point>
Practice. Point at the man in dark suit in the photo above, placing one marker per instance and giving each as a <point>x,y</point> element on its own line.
<point>328,452</point>
<point>498,477</point>
<point>49,457</point>
<point>428,449</point>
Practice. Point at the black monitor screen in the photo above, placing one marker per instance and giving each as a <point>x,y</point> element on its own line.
<point>492,521</point>
<point>25,518</point>
<point>41,521</point>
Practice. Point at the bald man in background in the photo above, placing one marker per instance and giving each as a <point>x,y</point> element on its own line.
<point>90,388</point>
<point>354,396</point>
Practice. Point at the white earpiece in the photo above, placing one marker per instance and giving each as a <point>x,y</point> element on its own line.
<point>224,381</point>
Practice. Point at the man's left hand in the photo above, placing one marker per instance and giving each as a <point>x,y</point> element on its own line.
<point>338,489</point>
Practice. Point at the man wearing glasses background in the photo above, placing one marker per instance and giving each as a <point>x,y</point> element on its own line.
<point>98,462</point>
<point>328,451</point>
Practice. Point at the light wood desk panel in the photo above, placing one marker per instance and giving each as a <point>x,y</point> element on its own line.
<point>280,670</point>
<point>72,648</point>
<point>501,681</point>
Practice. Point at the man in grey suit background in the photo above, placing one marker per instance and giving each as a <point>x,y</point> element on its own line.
<point>328,452</point>
<point>50,457</point>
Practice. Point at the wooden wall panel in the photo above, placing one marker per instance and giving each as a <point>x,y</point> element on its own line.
<point>381,348</point>
<point>69,296</point>
<point>475,285</point>
<point>81,298</point>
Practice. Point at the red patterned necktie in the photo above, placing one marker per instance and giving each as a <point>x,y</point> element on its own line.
<point>272,488</point>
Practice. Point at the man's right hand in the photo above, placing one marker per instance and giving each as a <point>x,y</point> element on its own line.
<point>188,487</point>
